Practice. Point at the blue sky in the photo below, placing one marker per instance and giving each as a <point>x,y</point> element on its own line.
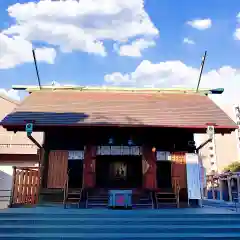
<point>89,48</point>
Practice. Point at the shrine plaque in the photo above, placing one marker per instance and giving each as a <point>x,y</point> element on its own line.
<point>125,150</point>
<point>115,150</point>
<point>105,150</point>
<point>135,150</point>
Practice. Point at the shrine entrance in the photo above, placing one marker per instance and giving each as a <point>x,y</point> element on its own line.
<point>119,172</point>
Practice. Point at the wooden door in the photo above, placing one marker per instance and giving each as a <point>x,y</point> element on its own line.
<point>57,169</point>
<point>179,172</point>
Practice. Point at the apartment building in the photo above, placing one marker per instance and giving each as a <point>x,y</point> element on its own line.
<point>227,147</point>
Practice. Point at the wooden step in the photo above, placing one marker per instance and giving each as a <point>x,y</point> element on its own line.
<point>166,199</point>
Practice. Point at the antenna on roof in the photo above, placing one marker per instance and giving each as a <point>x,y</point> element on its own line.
<point>201,69</point>
<point>36,67</point>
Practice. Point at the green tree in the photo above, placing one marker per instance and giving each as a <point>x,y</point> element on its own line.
<point>233,167</point>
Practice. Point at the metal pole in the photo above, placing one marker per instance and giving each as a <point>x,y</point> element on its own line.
<point>201,69</point>
<point>36,67</point>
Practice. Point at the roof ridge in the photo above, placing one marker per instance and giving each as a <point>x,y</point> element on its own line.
<point>118,89</point>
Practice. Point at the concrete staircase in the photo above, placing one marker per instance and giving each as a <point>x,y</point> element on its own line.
<point>142,200</point>
<point>166,199</point>
<point>84,224</point>
<point>97,198</point>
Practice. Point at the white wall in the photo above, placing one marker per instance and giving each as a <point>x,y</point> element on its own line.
<point>226,145</point>
<point>6,172</point>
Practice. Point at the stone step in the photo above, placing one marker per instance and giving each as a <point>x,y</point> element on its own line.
<point>116,221</point>
<point>128,228</point>
<point>132,236</point>
<point>166,214</point>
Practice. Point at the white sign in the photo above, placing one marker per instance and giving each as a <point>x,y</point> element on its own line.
<point>119,150</point>
<point>163,156</point>
<point>193,176</point>
<point>75,155</point>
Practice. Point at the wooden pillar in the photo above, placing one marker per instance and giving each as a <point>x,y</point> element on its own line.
<point>89,162</point>
<point>229,188</point>
<point>41,155</point>
<point>13,187</point>
<point>149,168</point>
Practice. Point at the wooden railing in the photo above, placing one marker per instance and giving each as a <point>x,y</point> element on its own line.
<point>65,191</point>
<point>176,188</point>
<point>151,194</point>
<point>25,186</point>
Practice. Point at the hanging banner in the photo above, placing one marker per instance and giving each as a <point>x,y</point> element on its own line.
<point>119,150</point>
<point>193,176</point>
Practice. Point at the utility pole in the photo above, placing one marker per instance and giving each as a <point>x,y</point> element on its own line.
<point>36,67</point>
<point>201,69</point>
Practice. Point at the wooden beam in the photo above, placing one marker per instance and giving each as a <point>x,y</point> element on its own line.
<point>121,89</point>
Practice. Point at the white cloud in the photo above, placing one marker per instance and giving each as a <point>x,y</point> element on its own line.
<point>238,16</point>
<point>236,34</point>
<point>81,25</point>
<point>135,48</point>
<point>16,50</point>
<point>177,74</point>
<point>188,41</point>
<point>14,94</point>
<point>200,24</point>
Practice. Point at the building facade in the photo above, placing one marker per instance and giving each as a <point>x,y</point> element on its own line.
<point>136,139</point>
<point>227,146</point>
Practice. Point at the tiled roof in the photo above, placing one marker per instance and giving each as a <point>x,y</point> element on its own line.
<point>79,108</point>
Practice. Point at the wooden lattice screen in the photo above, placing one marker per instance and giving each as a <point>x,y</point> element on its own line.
<point>25,185</point>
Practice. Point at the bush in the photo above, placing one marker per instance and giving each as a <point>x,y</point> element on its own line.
<point>233,167</point>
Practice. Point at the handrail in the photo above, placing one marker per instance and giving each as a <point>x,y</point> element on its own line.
<point>177,188</point>
<point>177,195</point>
<point>152,199</point>
<point>82,188</point>
<point>156,200</point>
<point>86,204</point>
<point>65,190</point>
<point>27,168</point>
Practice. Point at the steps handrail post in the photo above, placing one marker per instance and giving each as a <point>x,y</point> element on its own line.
<point>65,193</point>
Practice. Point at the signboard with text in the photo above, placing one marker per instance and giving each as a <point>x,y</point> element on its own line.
<point>119,150</point>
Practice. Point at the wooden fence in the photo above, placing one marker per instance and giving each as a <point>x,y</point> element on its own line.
<point>25,185</point>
